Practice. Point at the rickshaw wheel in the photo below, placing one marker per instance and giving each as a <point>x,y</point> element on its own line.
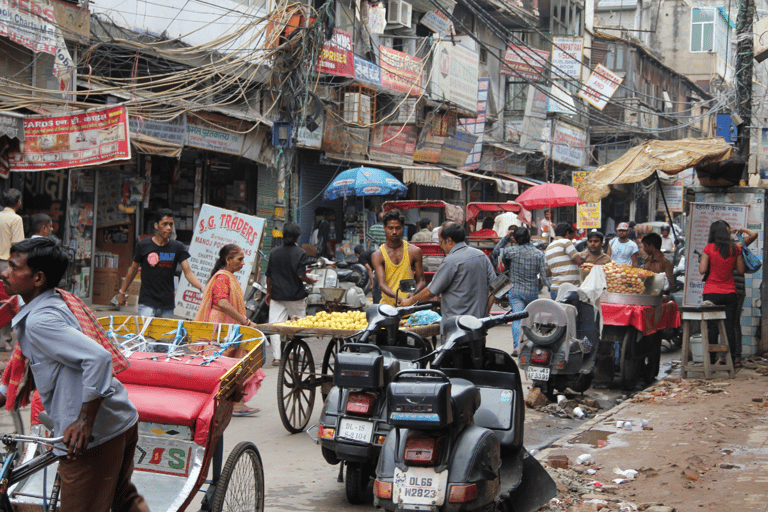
<point>630,366</point>
<point>329,365</point>
<point>296,386</point>
<point>241,485</point>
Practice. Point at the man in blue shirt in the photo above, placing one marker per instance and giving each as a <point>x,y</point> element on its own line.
<point>73,374</point>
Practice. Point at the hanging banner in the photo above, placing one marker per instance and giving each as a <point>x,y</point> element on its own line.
<point>400,72</point>
<point>336,57</point>
<point>674,195</point>
<point>588,214</point>
<point>600,87</point>
<point>535,118</point>
<point>215,228</point>
<point>525,63</point>
<point>454,75</point>
<point>476,126</point>
<point>566,57</point>
<point>367,71</point>
<point>87,137</point>
<point>438,22</point>
<point>568,144</point>
<point>393,143</point>
<point>697,233</point>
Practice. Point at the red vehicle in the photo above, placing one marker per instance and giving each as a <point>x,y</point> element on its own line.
<point>486,240</point>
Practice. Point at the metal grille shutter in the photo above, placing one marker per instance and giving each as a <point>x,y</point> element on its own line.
<point>265,205</point>
<point>313,180</point>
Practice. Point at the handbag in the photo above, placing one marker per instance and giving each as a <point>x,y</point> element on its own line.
<point>751,263</point>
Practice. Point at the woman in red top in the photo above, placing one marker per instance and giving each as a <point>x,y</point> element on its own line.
<point>720,257</point>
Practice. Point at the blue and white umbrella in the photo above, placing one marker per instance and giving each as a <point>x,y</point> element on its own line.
<point>364,181</point>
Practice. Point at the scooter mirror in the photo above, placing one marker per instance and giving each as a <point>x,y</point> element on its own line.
<point>408,285</point>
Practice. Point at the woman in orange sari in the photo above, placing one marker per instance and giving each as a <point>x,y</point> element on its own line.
<point>223,303</point>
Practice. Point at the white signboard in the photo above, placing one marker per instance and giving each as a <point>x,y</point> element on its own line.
<point>201,134</point>
<point>215,228</point>
<point>308,139</point>
<point>535,118</point>
<point>454,76</point>
<point>568,144</point>
<point>696,236</point>
<point>600,87</point>
<point>566,57</point>
<point>674,196</point>
<point>438,22</point>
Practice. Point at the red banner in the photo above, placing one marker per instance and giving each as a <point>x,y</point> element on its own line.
<point>399,71</point>
<point>524,62</point>
<point>337,57</point>
<point>88,137</point>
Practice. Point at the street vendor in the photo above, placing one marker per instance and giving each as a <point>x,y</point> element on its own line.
<point>396,259</point>
<point>656,261</point>
<point>622,250</point>
<point>594,253</point>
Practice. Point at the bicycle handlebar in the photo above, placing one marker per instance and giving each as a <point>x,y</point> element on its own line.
<point>49,441</point>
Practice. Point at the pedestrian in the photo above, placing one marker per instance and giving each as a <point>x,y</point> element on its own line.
<point>655,260</point>
<point>365,258</point>
<point>72,363</point>
<point>324,246</point>
<point>411,216</point>
<point>508,239</point>
<point>720,257</point>
<point>396,259</point>
<point>563,259</point>
<point>425,231</point>
<point>667,240</point>
<point>622,250</point>
<point>594,253</point>
<point>286,275</point>
<point>158,257</point>
<point>41,225</point>
<point>11,232</point>
<point>376,235</point>
<point>526,265</point>
<point>462,282</point>
<point>632,235</point>
<point>545,226</point>
<point>223,303</point>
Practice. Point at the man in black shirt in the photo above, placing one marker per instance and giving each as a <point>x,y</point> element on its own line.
<point>286,275</point>
<point>158,257</point>
<point>364,258</point>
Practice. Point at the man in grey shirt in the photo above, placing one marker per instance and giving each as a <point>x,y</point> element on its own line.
<point>73,374</point>
<point>463,279</point>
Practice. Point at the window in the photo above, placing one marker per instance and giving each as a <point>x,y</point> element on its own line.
<point>709,30</point>
<point>483,56</point>
<point>517,94</point>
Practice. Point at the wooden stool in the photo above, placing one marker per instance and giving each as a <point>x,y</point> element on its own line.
<point>703,314</point>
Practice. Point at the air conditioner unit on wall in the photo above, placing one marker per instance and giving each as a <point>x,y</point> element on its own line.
<point>399,13</point>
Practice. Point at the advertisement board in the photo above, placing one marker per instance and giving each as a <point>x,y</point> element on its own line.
<point>476,126</point>
<point>524,62</point>
<point>88,137</point>
<point>204,135</point>
<point>438,22</point>
<point>395,144</point>
<point>568,144</point>
<point>169,131</point>
<point>566,57</point>
<point>674,195</point>
<point>400,72</point>
<point>215,228</point>
<point>588,214</point>
<point>702,216</point>
<point>600,87</point>
<point>454,76</point>
<point>367,71</point>
<point>336,57</point>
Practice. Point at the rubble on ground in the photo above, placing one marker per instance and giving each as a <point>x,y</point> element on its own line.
<point>578,407</point>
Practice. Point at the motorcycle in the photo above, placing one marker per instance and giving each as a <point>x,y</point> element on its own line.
<point>353,422</point>
<point>335,289</point>
<point>561,343</point>
<point>457,431</point>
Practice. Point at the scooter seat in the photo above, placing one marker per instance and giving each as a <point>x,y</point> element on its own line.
<point>465,400</point>
<point>347,276</point>
<point>391,367</point>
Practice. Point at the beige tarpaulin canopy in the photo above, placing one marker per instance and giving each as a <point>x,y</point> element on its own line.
<point>669,156</point>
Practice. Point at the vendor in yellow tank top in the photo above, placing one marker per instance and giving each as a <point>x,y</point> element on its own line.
<point>396,259</point>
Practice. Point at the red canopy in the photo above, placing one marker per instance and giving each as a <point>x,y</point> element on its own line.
<point>548,195</point>
<point>474,209</point>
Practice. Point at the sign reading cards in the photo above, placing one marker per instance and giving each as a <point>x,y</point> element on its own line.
<point>600,87</point>
<point>525,62</point>
<point>336,57</point>
<point>589,213</point>
<point>215,228</point>
<point>88,137</point>
<point>566,57</point>
<point>400,72</point>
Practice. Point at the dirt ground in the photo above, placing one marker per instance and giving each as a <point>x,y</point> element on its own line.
<point>704,446</point>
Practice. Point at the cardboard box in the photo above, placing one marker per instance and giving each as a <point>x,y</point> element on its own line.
<point>106,283</point>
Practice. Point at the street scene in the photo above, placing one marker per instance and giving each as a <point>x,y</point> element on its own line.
<point>412,255</point>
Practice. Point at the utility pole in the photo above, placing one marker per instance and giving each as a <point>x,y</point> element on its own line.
<point>744,68</point>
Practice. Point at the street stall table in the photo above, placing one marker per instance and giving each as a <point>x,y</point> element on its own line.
<point>297,379</point>
<point>635,330</point>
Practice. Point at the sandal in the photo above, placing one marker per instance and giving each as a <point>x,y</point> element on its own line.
<point>275,362</point>
<point>737,363</point>
<point>245,411</point>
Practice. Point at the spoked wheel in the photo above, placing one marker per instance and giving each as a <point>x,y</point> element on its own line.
<point>12,423</point>
<point>630,366</point>
<point>329,365</point>
<point>357,482</point>
<point>296,386</point>
<point>241,485</point>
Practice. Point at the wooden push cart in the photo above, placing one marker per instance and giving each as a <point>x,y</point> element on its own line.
<point>298,379</point>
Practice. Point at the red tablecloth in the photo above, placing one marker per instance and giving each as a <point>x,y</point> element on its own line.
<point>646,319</point>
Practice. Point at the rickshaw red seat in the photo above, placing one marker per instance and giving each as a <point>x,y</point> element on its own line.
<point>153,402</point>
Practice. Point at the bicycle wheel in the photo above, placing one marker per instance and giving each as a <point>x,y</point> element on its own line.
<point>241,485</point>
<point>11,423</point>
<point>296,386</point>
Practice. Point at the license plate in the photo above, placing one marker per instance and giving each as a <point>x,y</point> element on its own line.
<point>420,486</point>
<point>537,373</point>
<point>356,430</point>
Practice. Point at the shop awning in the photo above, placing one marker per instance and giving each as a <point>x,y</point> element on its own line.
<point>504,186</point>
<point>431,177</point>
<point>154,146</point>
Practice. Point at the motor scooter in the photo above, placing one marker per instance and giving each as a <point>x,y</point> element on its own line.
<point>353,422</point>
<point>457,437</point>
<point>561,343</point>
<point>335,289</point>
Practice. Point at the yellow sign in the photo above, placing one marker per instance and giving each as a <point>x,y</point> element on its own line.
<point>589,213</point>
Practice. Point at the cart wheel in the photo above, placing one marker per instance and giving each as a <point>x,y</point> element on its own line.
<point>296,386</point>
<point>630,366</point>
<point>652,361</point>
<point>241,485</point>
<point>357,482</point>
<point>329,365</point>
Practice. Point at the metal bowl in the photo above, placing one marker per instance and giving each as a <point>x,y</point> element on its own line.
<point>332,294</point>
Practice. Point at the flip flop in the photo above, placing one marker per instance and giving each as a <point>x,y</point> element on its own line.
<point>246,411</point>
<point>275,362</point>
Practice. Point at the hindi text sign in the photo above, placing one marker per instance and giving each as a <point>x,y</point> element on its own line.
<point>600,87</point>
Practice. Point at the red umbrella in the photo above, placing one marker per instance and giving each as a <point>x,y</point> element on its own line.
<point>548,195</point>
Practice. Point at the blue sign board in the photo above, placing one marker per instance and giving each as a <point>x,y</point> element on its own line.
<point>726,129</point>
<point>367,71</point>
